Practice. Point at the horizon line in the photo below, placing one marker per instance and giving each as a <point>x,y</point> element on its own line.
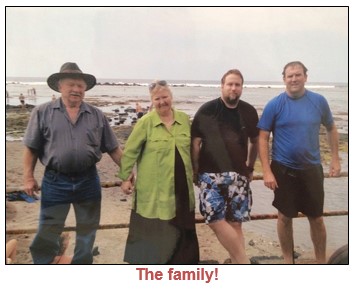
<point>205,80</point>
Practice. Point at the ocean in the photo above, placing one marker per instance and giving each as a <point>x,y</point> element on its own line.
<point>189,95</point>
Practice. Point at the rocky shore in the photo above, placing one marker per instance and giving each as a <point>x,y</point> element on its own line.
<point>22,217</point>
<point>17,119</point>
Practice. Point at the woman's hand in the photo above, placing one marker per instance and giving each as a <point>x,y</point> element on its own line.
<point>127,187</point>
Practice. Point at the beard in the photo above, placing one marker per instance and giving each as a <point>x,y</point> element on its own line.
<point>231,100</point>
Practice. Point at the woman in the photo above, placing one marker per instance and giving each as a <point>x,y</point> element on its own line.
<point>162,222</point>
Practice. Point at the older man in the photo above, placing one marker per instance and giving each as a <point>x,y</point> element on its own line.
<point>68,136</point>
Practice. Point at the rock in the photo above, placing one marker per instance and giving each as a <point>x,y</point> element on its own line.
<point>17,120</point>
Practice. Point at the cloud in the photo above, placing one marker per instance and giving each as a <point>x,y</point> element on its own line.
<point>178,42</point>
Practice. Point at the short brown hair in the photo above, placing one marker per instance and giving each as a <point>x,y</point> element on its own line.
<point>232,71</point>
<point>294,63</point>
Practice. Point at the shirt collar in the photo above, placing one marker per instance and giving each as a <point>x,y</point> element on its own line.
<point>157,121</point>
<point>84,107</point>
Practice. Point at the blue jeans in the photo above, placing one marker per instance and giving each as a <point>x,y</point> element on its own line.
<point>58,192</point>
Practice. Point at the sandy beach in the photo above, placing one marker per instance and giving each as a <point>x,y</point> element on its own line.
<point>23,216</point>
<point>22,219</point>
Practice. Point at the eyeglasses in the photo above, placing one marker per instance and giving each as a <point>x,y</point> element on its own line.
<point>160,82</point>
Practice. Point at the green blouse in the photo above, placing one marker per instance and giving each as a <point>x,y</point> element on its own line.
<point>152,146</point>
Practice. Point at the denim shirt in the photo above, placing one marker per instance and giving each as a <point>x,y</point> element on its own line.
<point>152,146</point>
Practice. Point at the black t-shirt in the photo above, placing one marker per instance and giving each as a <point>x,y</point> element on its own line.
<point>224,133</point>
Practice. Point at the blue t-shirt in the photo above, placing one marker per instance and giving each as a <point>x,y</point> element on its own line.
<point>295,124</point>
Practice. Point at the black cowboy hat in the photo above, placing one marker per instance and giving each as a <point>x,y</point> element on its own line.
<point>70,70</point>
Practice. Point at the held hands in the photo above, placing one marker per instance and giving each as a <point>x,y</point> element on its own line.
<point>128,185</point>
<point>195,179</point>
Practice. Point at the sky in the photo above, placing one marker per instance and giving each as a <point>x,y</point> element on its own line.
<point>178,43</point>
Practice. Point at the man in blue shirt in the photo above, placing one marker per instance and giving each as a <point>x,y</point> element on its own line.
<point>295,173</point>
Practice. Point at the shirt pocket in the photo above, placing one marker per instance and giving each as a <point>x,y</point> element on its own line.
<point>158,143</point>
<point>93,136</point>
<point>183,139</point>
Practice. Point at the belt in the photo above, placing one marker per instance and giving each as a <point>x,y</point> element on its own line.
<point>72,174</point>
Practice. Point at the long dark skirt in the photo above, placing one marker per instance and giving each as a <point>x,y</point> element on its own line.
<point>155,241</point>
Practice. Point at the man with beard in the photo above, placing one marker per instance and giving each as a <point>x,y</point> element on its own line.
<point>224,149</point>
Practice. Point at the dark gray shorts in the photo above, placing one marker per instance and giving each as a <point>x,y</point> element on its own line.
<point>300,190</point>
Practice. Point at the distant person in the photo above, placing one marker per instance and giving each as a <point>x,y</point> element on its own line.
<point>295,173</point>
<point>31,92</point>
<point>150,107</point>
<point>68,136</point>
<point>22,100</point>
<point>53,97</point>
<point>224,149</point>
<point>162,222</point>
<point>139,110</point>
<point>7,98</point>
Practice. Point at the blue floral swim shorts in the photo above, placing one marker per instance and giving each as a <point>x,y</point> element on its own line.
<point>225,195</point>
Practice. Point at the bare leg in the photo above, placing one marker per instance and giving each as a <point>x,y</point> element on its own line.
<point>11,247</point>
<point>318,237</point>
<point>285,234</point>
<point>230,235</point>
<point>62,259</point>
<point>65,260</point>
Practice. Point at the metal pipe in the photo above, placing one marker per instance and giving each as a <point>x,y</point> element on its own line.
<point>110,184</point>
<point>197,220</point>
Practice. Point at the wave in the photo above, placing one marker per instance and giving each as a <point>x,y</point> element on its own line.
<point>187,84</point>
<point>204,85</point>
<point>215,84</point>
<point>31,83</point>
